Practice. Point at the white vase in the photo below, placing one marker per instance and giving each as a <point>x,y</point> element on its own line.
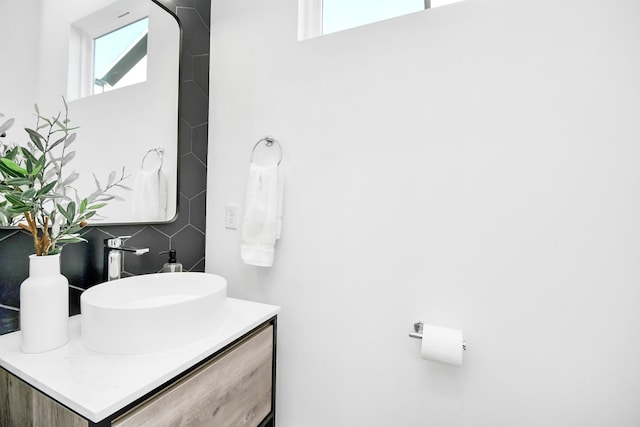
<point>44,305</point>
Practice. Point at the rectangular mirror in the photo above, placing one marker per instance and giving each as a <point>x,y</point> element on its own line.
<point>117,64</point>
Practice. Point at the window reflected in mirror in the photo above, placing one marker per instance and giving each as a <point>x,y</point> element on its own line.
<point>120,57</point>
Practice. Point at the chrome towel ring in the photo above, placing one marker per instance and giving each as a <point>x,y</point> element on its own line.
<point>268,141</point>
<point>159,151</point>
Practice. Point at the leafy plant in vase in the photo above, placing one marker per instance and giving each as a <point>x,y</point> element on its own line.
<point>39,197</point>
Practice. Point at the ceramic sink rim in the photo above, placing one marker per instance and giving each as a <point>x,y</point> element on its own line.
<point>198,285</point>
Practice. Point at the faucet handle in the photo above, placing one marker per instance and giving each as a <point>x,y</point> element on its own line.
<point>115,242</point>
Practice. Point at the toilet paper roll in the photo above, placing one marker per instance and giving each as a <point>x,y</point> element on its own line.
<point>442,345</point>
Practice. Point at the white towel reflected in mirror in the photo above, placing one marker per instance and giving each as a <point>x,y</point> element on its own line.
<point>150,192</point>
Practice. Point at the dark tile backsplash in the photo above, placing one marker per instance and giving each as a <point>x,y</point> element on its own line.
<point>82,263</point>
<point>191,171</point>
<point>199,142</point>
<point>8,319</point>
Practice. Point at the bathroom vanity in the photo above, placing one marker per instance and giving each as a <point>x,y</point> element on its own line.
<point>225,379</point>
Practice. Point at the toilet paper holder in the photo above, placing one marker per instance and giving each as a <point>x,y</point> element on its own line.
<point>417,333</point>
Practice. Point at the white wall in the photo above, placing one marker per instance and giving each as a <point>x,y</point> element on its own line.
<point>473,166</point>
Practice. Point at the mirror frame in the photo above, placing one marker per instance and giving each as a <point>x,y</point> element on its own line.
<point>179,135</point>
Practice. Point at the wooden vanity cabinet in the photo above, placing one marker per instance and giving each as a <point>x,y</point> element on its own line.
<point>234,387</point>
<point>23,406</point>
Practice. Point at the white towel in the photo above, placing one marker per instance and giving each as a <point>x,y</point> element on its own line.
<point>150,196</point>
<point>262,223</point>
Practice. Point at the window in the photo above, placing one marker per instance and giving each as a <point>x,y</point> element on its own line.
<point>342,14</point>
<point>319,17</point>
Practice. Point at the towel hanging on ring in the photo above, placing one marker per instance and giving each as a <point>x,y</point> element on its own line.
<point>262,224</point>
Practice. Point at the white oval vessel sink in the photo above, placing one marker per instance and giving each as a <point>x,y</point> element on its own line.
<point>152,312</point>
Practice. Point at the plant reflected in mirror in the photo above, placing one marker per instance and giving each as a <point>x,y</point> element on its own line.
<point>37,187</point>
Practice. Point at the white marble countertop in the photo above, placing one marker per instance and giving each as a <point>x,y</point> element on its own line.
<point>96,385</point>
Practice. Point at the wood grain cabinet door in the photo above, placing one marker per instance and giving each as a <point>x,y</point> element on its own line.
<point>233,389</point>
<point>23,406</point>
